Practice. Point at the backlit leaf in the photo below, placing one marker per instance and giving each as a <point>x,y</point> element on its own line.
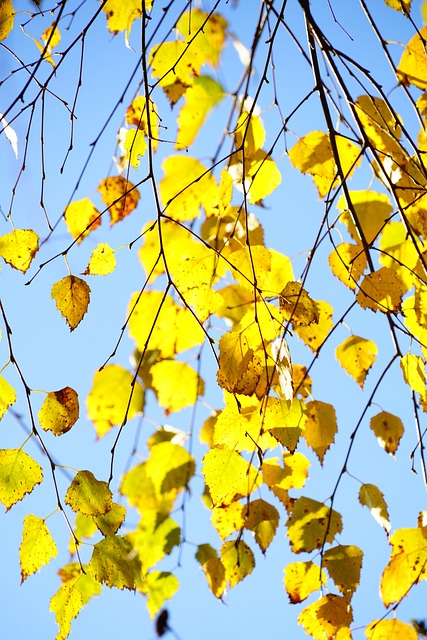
<point>176,384</point>
<point>297,306</point>
<point>397,249</point>
<point>88,495</point>
<point>344,564</point>
<point>159,586</point>
<point>372,210</point>
<point>200,98</point>
<point>413,372</point>
<point>282,357</point>
<point>109,523</point>
<point>209,31</point>
<point>175,64</point>
<point>381,290</point>
<point>72,297</point>
<point>7,18</point>
<point>81,218</point>
<point>348,262</point>
<point>19,474</point>
<point>102,261</point>
<point>154,540</point>
<point>412,68</point>
<point>37,546</point>
<point>311,524</point>
<point>136,114</point>
<point>120,196</point>
<point>391,629</point>
<point>19,247</point>
<point>238,561</point>
<point>120,16</point>
<point>302,579</point>
<point>370,496</point>
<point>59,411</point>
<point>66,605</point>
<point>388,430</point>
<point>215,575</point>
<point>292,475</point>
<point>228,476</point>
<point>135,146</point>
<point>249,134</point>
<point>380,124</point>
<point>227,519</point>
<point>262,518</point>
<point>85,584</point>
<point>285,423</point>
<point>186,187</point>
<point>407,565</point>
<point>239,367</point>
<point>323,619</point>
<point>109,400</point>
<point>315,334</point>
<point>320,428</point>
<point>113,563</point>
<point>264,175</point>
<point>357,355</point>
<point>7,396</point>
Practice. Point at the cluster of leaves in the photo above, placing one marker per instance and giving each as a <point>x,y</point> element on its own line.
<point>209,280</point>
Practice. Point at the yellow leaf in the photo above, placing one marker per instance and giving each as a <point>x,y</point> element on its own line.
<point>37,546</point>
<point>311,524</point>
<point>81,217</point>
<point>60,411</point>
<point>388,430</point>
<point>228,476</point>
<point>159,586</point>
<point>262,518</point>
<point>194,279</point>
<point>215,575</point>
<point>370,496</point>
<point>135,146</point>
<point>372,210</point>
<point>51,38</point>
<point>176,384</point>
<point>315,334</point>
<point>238,561</point>
<point>413,372</point>
<point>292,475</point>
<point>282,357</point>
<point>239,367</point>
<point>208,31</point>
<point>66,605</point>
<point>381,126</point>
<point>357,355</point>
<point>153,540</point>
<point>72,297</point>
<point>102,261</point>
<point>381,290</point>
<point>19,474</point>
<point>109,523</point>
<point>407,565</point>
<point>136,114</point>
<point>120,15</point>
<point>285,423</point>
<point>249,134</point>
<point>347,263</point>
<point>158,321</point>
<point>88,495</point>
<point>109,400</point>
<point>264,176</point>
<point>313,154</point>
<point>297,306</point>
<point>19,247</point>
<point>320,428</point>
<point>7,18</point>
<point>398,251</point>
<point>175,64</point>
<point>412,68</point>
<point>344,564</point>
<point>204,94</point>
<point>186,187</point>
<point>7,396</point>
<point>113,563</point>
<point>84,583</point>
<point>120,196</point>
<point>227,519</point>
<point>302,579</point>
<point>323,619</point>
<point>240,432</point>
<point>390,629</point>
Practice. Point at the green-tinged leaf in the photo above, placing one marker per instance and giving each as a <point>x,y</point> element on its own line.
<point>311,524</point>
<point>19,474</point>
<point>238,561</point>
<point>59,411</point>
<point>200,98</point>
<point>159,586</point>
<point>228,476</point>
<point>88,495</point>
<point>66,605</point>
<point>113,563</point>
<point>344,564</point>
<point>37,546</point>
<point>154,540</point>
<point>109,523</point>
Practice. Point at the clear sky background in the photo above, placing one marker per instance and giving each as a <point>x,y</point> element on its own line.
<point>51,358</point>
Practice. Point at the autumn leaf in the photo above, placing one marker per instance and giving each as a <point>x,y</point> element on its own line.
<point>380,124</point>
<point>204,94</point>
<point>102,261</point>
<point>292,475</point>
<point>88,495</point>
<point>7,396</point>
<point>120,196</point>
<point>175,64</point>
<point>262,518</point>
<point>37,546</point>
<point>159,586</point>
<point>311,524</point>
<point>19,247</point>
<point>81,218</point>
<point>176,384</point>
<point>121,16</point>
<point>228,476</point>
<point>239,367</point>
<point>66,605</point>
<point>390,629</point>
<point>7,18</point>
<point>407,565</point>
<point>370,496</point>
<point>154,539</point>
<point>19,474</point>
<point>186,187</point>
<point>413,371</point>
<point>238,561</point>
<point>381,290</point>
<point>227,518</point>
<point>264,176</point>
<point>344,564</point>
<point>72,297</point>
<point>136,114</point>
<point>320,428</point>
<point>113,563</point>
<point>302,579</point>
<point>285,423</point>
<point>315,334</point>
<point>412,68</point>
<point>348,262</point>
<point>208,29</point>
<point>297,306</point>
<point>135,146</point>
<point>388,430</point>
<point>59,411</point>
<point>109,523</point>
<point>324,618</point>
<point>357,355</point>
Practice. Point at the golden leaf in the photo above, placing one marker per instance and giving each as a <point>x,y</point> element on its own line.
<point>215,575</point>
<point>81,217</point>
<point>7,396</point>
<point>348,263</point>
<point>37,546</point>
<point>380,124</point>
<point>154,539</point>
<point>88,495</point>
<point>228,476</point>
<point>285,423</point>
<point>412,68</point>
<point>323,619</point>
<point>208,31</point>
<point>120,15</point>
<point>66,605</point>
<point>239,367</point>
<point>320,428</point>
<point>311,524</point>
<point>135,146</point>
<point>344,564</point>
<point>315,334</point>
<point>159,586</point>
<point>381,290</point>
<point>136,114</point>
<point>175,64</point>
<point>388,430</point>
<point>264,176</point>
<point>413,372</point>
<point>302,579</point>
<point>372,210</point>
<point>60,411</point>
<point>19,247</point>
<point>186,187</point>
<point>357,355</point>
<point>113,563</point>
<point>7,18</point>
<point>390,629</point>
<point>204,94</point>
<point>249,134</point>
<point>120,196</point>
<point>292,475</point>
<point>297,306</point>
<point>102,261</point>
<point>262,518</point>
<point>227,519</point>
<point>19,474</point>
<point>176,384</point>
<point>109,523</point>
<point>399,252</point>
<point>407,565</point>
<point>72,297</point>
<point>238,561</point>
<point>371,497</point>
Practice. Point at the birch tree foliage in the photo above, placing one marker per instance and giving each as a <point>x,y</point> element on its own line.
<point>200,151</point>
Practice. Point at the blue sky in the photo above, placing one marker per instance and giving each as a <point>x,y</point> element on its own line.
<point>52,358</point>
